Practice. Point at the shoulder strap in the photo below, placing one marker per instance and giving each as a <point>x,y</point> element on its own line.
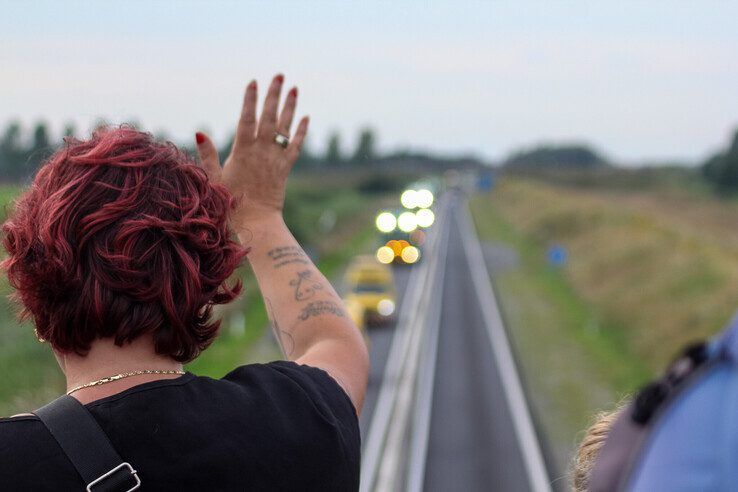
<point>87,446</point>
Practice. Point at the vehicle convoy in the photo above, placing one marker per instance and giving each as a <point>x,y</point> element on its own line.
<point>370,296</point>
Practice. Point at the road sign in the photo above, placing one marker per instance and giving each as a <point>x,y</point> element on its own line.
<point>557,255</point>
<point>486,181</point>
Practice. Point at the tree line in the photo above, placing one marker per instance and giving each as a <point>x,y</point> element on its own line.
<point>19,156</point>
<point>721,170</point>
<point>22,152</point>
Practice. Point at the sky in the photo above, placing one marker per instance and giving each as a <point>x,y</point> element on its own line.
<point>641,81</point>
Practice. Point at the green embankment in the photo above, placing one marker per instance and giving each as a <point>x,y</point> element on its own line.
<point>647,273</point>
<point>31,376</point>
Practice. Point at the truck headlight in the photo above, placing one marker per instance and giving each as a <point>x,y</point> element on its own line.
<point>386,307</point>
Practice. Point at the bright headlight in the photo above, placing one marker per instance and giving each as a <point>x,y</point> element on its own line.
<point>386,307</point>
<point>409,199</point>
<point>385,255</point>
<point>423,198</point>
<point>425,217</point>
<point>407,222</point>
<point>410,254</point>
<point>386,222</point>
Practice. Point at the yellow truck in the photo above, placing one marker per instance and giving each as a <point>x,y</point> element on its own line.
<point>370,295</point>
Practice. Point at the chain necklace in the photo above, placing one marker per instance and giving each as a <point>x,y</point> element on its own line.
<point>120,376</point>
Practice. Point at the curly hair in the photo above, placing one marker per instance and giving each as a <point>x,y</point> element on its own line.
<point>120,236</point>
<point>585,458</point>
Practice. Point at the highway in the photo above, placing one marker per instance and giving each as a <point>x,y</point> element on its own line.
<point>445,409</point>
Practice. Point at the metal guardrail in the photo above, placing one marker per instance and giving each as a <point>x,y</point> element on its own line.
<point>391,441</point>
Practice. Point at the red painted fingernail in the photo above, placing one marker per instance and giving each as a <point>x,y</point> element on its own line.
<point>293,92</point>
<point>199,137</point>
<point>252,84</point>
<point>279,78</point>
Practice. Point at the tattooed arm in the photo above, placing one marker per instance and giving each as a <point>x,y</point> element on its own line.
<point>306,313</point>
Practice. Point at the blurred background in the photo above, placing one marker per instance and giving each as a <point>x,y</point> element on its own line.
<point>596,142</point>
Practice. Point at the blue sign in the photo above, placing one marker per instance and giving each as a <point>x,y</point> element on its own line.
<point>557,255</point>
<point>486,181</point>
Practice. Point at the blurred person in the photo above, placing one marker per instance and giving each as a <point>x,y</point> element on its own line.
<point>680,432</point>
<point>118,252</point>
<point>589,448</point>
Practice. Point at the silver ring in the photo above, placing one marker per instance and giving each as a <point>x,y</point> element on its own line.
<point>281,140</point>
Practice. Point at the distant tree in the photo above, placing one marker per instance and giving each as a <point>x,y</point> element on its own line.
<point>39,149</point>
<point>722,168</point>
<point>12,153</point>
<point>306,159</point>
<point>40,137</point>
<point>556,156</point>
<point>69,130</point>
<point>365,151</point>
<point>333,156</point>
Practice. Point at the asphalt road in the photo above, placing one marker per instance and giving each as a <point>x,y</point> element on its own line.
<point>473,443</point>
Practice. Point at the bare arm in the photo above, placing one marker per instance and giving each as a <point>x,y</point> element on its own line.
<point>307,315</point>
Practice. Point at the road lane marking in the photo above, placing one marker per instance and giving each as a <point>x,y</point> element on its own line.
<point>522,422</point>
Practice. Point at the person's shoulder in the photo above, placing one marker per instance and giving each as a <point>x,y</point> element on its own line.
<point>695,435</point>
<point>291,381</point>
<point>19,423</point>
<point>30,458</point>
<point>21,430</point>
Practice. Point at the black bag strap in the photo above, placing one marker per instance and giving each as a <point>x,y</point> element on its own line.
<point>87,446</point>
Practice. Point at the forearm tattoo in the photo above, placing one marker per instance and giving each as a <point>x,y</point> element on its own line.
<point>286,255</point>
<point>305,286</point>
<point>284,338</point>
<point>317,308</point>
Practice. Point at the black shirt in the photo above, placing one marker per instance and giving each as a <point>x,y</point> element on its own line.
<point>277,426</point>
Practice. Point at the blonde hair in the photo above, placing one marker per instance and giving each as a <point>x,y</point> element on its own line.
<point>589,448</point>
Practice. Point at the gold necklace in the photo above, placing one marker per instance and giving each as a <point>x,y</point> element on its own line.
<point>120,376</point>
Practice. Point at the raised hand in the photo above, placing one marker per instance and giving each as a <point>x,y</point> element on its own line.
<point>257,168</point>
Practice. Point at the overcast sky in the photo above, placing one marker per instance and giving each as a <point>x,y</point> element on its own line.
<point>643,80</point>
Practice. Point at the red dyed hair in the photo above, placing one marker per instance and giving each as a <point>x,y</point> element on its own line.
<point>119,236</point>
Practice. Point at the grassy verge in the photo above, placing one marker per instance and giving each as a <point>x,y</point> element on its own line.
<point>573,362</point>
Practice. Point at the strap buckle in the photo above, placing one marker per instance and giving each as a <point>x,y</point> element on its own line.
<point>122,466</point>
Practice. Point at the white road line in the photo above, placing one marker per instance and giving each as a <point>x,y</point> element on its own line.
<point>522,422</point>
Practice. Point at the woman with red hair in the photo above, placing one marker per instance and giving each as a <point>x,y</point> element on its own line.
<point>118,252</point>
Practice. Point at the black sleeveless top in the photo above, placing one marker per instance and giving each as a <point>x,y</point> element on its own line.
<point>276,426</point>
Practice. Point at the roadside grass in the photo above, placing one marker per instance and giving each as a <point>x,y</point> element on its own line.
<point>660,270</point>
<point>649,270</point>
<point>7,193</point>
<point>31,375</point>
<point>573,362</point>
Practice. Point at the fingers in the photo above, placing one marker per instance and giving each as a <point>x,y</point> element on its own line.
<point>208,155</point>
<point>288,112</point>
<point>296,143</point>
<point>246,131</point>
<point>268,121</point>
